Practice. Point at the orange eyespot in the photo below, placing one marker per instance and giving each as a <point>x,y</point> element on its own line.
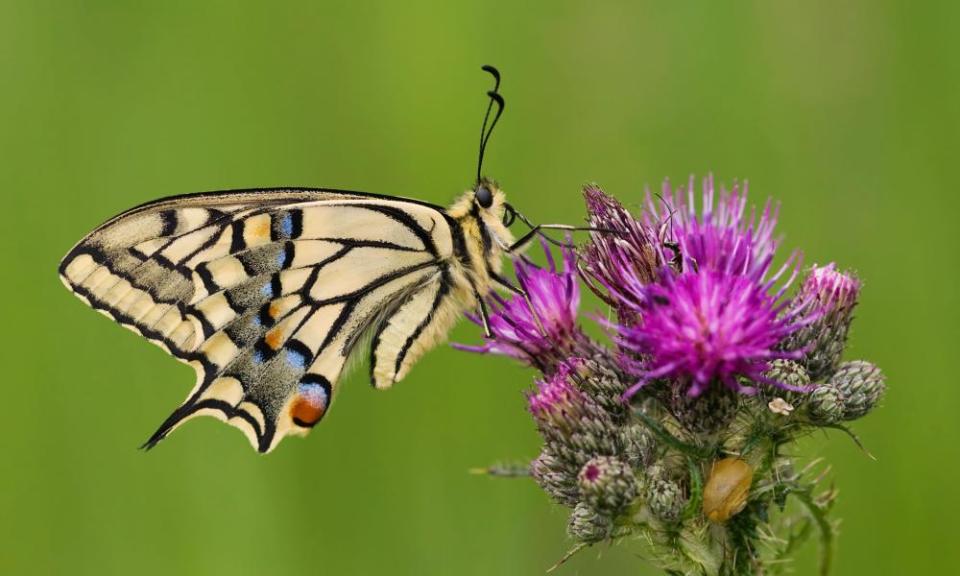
<point>306,413</point>
<point>727,488</point>
<point>311,401</point>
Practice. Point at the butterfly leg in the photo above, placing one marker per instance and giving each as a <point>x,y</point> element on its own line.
<point>537,230</point>
<point>484,314</point>
<point>524,240</point>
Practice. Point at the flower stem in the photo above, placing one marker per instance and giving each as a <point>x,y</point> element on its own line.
<point>827,535</point>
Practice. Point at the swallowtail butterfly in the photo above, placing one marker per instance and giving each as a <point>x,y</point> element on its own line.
<point>266,293</point>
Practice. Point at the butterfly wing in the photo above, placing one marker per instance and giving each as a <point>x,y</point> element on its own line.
<point>267,293</point>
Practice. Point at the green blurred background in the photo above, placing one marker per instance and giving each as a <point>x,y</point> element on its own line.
<point>846,111</point>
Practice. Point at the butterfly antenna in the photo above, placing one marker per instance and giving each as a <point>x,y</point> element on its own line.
<point>495,98</point>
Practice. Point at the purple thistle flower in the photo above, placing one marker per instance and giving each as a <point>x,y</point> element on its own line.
<point>712,315</point>
<point>620,258</point>
<point>705,327</point>
<point>721,237</point>
<point>549,337</point>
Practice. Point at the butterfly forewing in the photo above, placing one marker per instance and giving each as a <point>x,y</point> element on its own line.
<point>266,293</point>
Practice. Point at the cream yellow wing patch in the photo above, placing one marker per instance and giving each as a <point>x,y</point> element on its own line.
<point>418,324</point>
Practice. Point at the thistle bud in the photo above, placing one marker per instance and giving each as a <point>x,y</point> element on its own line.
<point>665,498</point>
<point>556,404</point>
<point>587,525</point>
<point>607,484</point>
<point>824,405</point>
<point>708,413</point>
<point>639,447</point>
<point>792,375</point>
<point>852,392</point>
<point>596,378</point>
<point>576,428</point>
<point>556,478</point>
<point>860,386</point>
<point>832,295</point>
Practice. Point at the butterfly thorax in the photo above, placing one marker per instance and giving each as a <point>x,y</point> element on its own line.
<point>485,236</point>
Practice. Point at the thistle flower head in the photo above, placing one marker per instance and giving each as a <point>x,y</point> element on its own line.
<point>705,327</point>
<point>542,331</point>
<point>713,314</point>
<point>621,256</point>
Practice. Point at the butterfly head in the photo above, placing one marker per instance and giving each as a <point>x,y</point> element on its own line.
<point>491,204</point>
<point>486,203</point>
<point>485,207</point>
<point>487,196</point>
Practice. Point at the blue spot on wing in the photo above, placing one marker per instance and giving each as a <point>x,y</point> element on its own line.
<point>258,357</point>
<point>296,359</point>
<point>267,290</point>
<point>316,394</point>
<point>287,225</point>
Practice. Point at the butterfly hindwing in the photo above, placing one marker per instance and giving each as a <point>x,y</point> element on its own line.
<point>415,326</point>
<point>266,294</point>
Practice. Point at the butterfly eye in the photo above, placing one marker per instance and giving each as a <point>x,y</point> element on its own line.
<point>509,215</point>
<point>484,197</point>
